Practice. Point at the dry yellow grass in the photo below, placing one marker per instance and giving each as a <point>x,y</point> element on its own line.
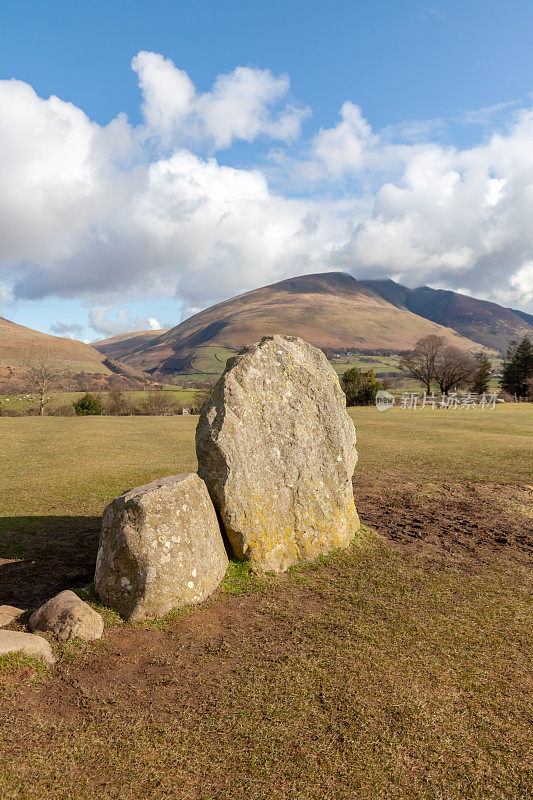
<point>77,465</point>
<point>375,674</point>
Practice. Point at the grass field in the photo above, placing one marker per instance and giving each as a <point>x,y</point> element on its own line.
<point>382,365</point>
<point>399,668</point>
<point>176,395</point>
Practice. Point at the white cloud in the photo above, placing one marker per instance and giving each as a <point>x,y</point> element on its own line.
<point>456,217</point>
<point>244,104</point>
<point>342,148</point>
<point>523,280</point>
<point>115,213</point>
<point>103,322</point>
<point>168,92</point>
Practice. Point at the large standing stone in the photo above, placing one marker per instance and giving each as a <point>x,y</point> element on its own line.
<point>27,643</point>
<point>68,617</point>
<point>276,449</point>
<point>160,548</point>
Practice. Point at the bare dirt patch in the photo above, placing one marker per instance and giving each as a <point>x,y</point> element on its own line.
<point>451,520</point>
<point>41,556</point>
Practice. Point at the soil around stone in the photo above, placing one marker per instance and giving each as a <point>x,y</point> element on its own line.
<point>470,524</point>
<point>186,679</point>
<point>450,521</point>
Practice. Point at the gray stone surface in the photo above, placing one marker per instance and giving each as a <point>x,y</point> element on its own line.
<point>66,616</point>
<point>8,614</point>
<point>160,548</point>
<point>276,449</point>
<point>27,643</point>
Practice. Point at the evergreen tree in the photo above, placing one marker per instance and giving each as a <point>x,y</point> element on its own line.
<point>480,381</point>
<point>360,387</point>
<point>88,405</point>
<point>524,364</point>
<point>517,368</point>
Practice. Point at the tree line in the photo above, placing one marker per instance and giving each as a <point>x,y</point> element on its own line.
<point>44,374</point>
<point>434,362</point>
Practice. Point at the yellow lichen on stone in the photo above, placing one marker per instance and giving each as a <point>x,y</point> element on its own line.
<point>277,451</point>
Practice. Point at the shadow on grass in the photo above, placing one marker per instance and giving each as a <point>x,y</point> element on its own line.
<point>40,556</point>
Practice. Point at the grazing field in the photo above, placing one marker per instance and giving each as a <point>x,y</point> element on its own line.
<point>382,365</point>
<point>399,668</point>
<point>176,395</point>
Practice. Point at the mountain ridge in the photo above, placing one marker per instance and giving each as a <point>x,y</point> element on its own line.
<point>487,323</point>
<point>330,310</point>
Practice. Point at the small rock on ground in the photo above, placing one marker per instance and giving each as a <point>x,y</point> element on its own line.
<point>9,614</point>
<point>27,643</point>
<point>67,616</point>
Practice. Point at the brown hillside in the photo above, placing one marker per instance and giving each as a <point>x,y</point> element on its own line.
<point>18,343</point>
<point>122,345</point>
<point>330,310</point>
<point>488,323</point>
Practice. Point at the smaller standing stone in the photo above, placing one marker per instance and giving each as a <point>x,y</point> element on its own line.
<point>68,617</point>
<point>160,548</point>
<point>26,643</point>
<point>8,614</point>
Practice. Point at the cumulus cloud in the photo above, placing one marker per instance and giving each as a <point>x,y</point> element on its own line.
<point>343,148</point>
<point>117,212</point>
<point>103,321</point>
<point>456,218</point>
<point>243,104</point>
<point>71,330</point>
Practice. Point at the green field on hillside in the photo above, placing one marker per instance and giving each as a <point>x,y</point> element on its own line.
<point>382,365</point>
<point>208,363</point>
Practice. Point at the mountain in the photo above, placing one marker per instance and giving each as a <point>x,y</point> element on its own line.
<point>330,310</point>
<point>18,343</point>
<point>523,315</point>
<point>487,323</point>
<point>122,345</point>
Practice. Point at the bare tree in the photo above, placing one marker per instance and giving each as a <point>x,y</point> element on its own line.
<point>117,402</point>
<point>420,363</point>
<point>157,403</point>
<point>204,390</point>
<point>453,369</point>
<point>481,377</point>
<point>43,373</point>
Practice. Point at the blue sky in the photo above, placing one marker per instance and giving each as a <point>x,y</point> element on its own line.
<point>381,138</point>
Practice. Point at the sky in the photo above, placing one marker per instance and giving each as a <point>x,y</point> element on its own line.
<point>158,157</point>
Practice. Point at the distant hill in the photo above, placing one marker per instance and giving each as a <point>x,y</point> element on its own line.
<point>18,343</point>
<point>330,310</point>
<point>523,315</point>
<point>122,345</point>
<point>491,325</point>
